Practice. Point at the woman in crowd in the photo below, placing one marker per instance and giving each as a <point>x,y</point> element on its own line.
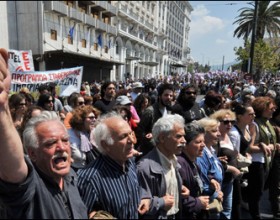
<point>123,100</point>
<point>241,138</point>
<point>213,101</point>
<point>226,149</point>
<point>46,101</point>
<point>32,111</point>
<point>17,105</point>
<point>74,101</point>
<point>194,205</point>
<point>262,152</point>
<point>142,102</point>
<point>82,123</point>
<point>212,169</point>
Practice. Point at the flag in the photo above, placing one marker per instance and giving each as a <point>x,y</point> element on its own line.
<point>109,44</point>
<point>88,37</point>
<point>99,40</point>
<point>71,31</point>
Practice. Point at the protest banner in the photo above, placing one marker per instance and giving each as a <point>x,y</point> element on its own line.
<point>20,60</point>
<point>68,80</point>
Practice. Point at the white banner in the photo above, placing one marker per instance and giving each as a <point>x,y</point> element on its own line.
<point>20,61</point>
<point>67,80</point>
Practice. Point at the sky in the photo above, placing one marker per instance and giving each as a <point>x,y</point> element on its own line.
<point>211,31</point>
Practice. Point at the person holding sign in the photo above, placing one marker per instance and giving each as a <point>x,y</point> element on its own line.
<point>42,185</point>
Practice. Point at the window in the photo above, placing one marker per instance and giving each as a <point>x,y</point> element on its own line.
<point>106,49</point>
<point>70,3</point>
<point>70,39</point>
<point>53,34</point>
<point>84,43</point>
<point>106,20</point>
<point>95,46</point>
<point>117,48</point>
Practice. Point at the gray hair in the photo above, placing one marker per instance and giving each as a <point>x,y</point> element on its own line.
<point>193,129</point>
<point>30,136</point>
<point>102,133</point>
<point>165,125</point>
<point>271,93</point>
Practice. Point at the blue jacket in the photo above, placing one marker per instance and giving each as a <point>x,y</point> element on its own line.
<point>211,168</point>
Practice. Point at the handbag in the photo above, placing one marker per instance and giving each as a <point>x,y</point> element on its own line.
<point>215,206</point>
<point>101,214</point>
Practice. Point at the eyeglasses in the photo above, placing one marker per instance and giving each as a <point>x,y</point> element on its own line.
<point>252,114</point>
<point>81,103</point>
<point>91,117</point>
<point>189,93</point>
<point>22,104</point>
<point>49,101</point>
<point>226,122</point>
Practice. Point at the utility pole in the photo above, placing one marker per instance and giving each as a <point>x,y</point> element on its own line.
<point>223,63</point>
<point>253,39</point>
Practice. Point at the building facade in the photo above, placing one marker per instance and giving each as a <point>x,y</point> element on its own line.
<point>112,40</point>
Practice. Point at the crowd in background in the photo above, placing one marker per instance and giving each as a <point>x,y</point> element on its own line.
<point>148,149</point>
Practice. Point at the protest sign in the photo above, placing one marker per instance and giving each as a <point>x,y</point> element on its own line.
<point>20,60</point>
<point>68,80</point>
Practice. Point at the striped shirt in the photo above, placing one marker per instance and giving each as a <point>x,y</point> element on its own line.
<point>104,185</point>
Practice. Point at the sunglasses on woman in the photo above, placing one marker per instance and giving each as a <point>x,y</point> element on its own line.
<point>226,122</point>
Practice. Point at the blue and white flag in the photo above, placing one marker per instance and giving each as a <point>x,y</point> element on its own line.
<point>71,31</point>
<point>99,40</point>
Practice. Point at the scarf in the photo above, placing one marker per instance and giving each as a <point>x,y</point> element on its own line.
<point>85,143</point>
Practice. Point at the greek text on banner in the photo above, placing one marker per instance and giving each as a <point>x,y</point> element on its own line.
<point>68,80</point>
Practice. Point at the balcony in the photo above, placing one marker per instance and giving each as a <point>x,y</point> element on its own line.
<point>76,15</point>
<point>111,30</point>
<point>90,20</point>
<point>186,50</point>
<point>149,25</point>
<point>101,25</point>
<point>99,5</point>
<point>89,2</point>
<point>57,7</point>
<point>133,15</point>
<point>110,10</point>
<point>122,10</point>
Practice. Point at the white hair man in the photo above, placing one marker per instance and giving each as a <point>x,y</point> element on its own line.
<point>110,182</point>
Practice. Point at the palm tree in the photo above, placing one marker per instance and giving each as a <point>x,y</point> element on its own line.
<point>268,20</point>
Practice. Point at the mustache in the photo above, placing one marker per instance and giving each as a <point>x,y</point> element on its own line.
<point>181,145</point>
<point>58,155</point>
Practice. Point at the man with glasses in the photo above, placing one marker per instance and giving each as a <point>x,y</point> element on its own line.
<point>186,104</point>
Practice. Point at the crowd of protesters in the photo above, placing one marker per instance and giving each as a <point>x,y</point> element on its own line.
<point>140,149</point>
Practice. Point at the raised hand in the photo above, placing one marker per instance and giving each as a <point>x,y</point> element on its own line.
<point>5,77</point>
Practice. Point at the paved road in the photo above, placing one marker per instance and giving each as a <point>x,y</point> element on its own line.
<point>264,208</point>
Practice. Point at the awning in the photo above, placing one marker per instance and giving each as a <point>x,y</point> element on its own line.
<point>149,63</point>
<point>133,58</point>
<point>85,57</point>
<point>177,65</point>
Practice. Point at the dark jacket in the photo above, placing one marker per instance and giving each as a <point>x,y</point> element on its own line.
<point>192,206</point>
<point>189,112</point>
<point>151,179</point>
<point>147,120</point>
